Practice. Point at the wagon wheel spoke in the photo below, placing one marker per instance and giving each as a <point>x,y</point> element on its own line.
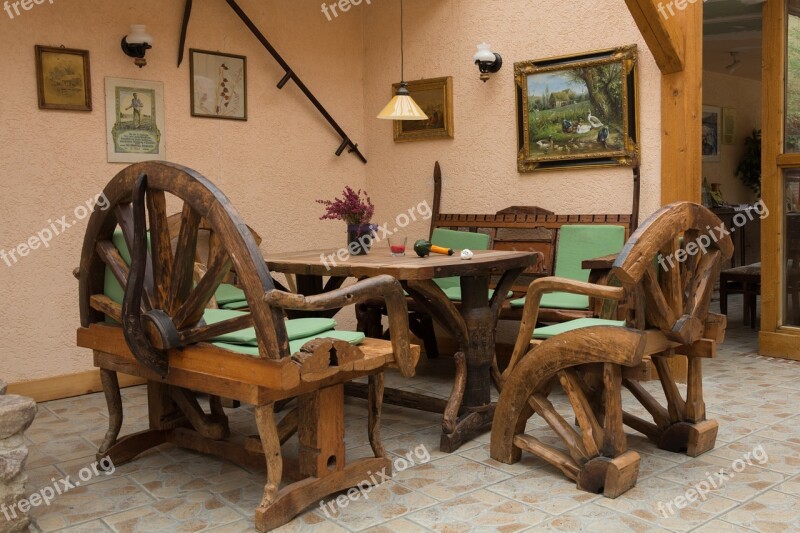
<point>161,246</point>
<point>191,311</point>
<point>208,332</point>
<point>124,214</point>
<point>183,264</point>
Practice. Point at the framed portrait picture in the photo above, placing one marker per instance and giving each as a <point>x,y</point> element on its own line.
<point>62,79</point>
<point>728,125</point>
<point>577,111</point>
<point>218,84</point>
<point>134,120</point>
<point>435,97</point>
<point>711,132</point>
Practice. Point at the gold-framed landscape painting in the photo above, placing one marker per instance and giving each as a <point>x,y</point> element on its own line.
<point>63,78</point>
<point>218,85</point>
<point>435,97</point>
<point>134,120</point>
<point>577,111</point>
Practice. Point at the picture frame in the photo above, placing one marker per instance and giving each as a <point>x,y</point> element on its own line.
<point>578,111</point>
<point>435,97</point>
<point>134,120</point>
<point>218,85</point>
<point>712,119</point>
<point>63,78</point>
<point>728,125</point>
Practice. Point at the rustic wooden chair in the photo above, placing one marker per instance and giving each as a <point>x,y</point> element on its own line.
<point>159,333</point>
<point>593,362</point>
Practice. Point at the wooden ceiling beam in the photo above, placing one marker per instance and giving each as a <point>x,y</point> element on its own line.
<point>654,21</point>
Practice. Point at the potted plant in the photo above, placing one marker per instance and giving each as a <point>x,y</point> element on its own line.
<point>357,213</point>
<point>749,169</point>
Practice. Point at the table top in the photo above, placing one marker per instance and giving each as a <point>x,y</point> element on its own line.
<point>408,267</point>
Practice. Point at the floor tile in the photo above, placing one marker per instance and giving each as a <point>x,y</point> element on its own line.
<point>195,511</point>
<point>447,478</point>
<point>771,512</point>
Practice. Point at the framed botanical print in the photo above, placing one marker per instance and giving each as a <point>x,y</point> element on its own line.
<point>62,79</point>
<point>218,84</point>
<point>577,111</point>
<point>134,120</point>
<point>712,118</point>
<point>435,97</point>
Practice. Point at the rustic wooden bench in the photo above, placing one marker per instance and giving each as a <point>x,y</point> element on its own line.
<point>146,315</point>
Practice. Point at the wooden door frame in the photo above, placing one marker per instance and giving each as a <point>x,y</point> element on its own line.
<point>775,340</point>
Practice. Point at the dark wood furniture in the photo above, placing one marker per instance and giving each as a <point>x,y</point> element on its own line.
<point>158,333</point>
<point>469,409</point>
<point>744,280</point>
<point>670,318</point>
<point>746,237</point>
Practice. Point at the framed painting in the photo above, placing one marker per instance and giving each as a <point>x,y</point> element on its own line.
<point>577,111</point>
<point>62,79</point>
<point>134,120</point>
<point>435,97</point>
<point>218,85</point>
<point>712,117</point>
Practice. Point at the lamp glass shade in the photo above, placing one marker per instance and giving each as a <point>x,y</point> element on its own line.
<point>402,107</point>
<point>484,54</point>
<point>139,35</point>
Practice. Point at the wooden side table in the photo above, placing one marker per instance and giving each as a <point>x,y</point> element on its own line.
<point>741,280</point>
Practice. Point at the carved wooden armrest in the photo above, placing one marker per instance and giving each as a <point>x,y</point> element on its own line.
<point>600,263</point>
<point>543,286</point>
<point>385,287</point>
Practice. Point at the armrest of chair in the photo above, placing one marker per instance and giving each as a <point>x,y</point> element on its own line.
<point>600,263</point>
<point>543,286</point>
<point>385,287</point>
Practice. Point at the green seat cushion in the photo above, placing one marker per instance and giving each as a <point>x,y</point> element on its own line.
<point>299,328</point>
<point>228,294</point>
<point>557,329</point>
<point>576,244</point>
<point>294,346</point>
<point>241,304</point>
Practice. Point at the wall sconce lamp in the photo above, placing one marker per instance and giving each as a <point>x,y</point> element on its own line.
<point>137,43</point>
<point>488,62</point>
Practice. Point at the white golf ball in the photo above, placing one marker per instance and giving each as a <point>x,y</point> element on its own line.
<point>466,255</point>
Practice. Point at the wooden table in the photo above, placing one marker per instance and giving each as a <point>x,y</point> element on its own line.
<point>469,410</point>
<point>741,280</point>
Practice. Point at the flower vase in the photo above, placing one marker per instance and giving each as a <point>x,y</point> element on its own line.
<point>360,237</point>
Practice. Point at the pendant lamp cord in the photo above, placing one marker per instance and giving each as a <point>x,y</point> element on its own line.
<point>402,54</point>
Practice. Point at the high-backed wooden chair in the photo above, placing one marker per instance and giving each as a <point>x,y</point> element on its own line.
<point>593,362</point>
<point>162,331</point>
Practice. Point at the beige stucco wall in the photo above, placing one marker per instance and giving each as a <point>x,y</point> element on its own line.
<point>275,165</point>
<point>479,165</point>
<point>743,95</point>
<point>272,167</point>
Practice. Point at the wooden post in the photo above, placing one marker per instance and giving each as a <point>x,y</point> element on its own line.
<point>321,431</point>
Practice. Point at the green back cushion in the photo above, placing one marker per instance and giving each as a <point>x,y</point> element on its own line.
<point>576,243</point>
<point>228,294</point>
<point>457,240</point>
<point>556,329</point>
<point>111,286</point>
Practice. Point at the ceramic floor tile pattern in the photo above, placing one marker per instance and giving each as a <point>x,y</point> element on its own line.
<point>754,399</point>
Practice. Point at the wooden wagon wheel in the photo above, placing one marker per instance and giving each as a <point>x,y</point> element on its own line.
<point>163,307</point>
<point>671,265</point>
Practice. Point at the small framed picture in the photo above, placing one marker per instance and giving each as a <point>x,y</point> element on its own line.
<point>134,120</point>
<point>62,79</point>
<point>435,97</point>
<point>712,117</point>
<point>218,84</point>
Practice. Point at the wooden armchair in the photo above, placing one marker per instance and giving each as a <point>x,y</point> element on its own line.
<point>593,361</point>
<point>161,331</point>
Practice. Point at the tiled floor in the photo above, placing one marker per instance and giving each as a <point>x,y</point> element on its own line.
<point>755,400</point>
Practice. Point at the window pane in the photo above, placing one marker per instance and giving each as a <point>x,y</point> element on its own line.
<point>792,248</point>
<point>793,78</point>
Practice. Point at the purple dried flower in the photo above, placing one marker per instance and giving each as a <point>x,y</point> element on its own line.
<point>350,208</point>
